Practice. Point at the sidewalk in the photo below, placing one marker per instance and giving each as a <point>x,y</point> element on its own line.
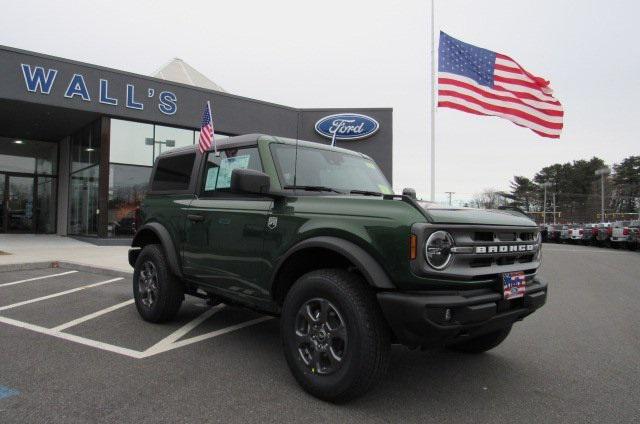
<point>27,248</point>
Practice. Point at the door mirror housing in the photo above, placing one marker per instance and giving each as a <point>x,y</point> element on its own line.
<point>250,181</point>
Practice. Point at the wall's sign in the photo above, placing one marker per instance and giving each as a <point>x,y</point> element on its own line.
<point>40,80</point>
<point>347,126</point>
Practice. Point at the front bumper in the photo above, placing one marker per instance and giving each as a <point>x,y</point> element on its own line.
<point>421,318</point>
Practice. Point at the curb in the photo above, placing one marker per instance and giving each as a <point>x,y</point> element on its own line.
<point>65,265</point>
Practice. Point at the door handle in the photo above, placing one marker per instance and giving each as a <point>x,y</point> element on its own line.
<point>195,218</point>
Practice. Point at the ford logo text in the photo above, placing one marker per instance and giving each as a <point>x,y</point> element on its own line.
<point>347,126</point>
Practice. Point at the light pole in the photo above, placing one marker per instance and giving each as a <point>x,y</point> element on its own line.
<point>450,193</point>
<point>149,141</point>
<point>544,206</point>
<point>602,172</point>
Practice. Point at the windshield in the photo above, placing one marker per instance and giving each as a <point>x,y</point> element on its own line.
<point>340,171</point>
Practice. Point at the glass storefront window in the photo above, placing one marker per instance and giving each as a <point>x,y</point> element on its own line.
<point>28,156</point>
<point>83,201</point>
<point>46,204</point>
<point>127,187</point>
<point>167,138</point>
<point>85,147</point>
<point>129,143</point>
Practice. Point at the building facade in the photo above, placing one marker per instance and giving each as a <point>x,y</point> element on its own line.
<point>77,141</point>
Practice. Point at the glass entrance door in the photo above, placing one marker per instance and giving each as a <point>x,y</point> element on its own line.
<point>19,204</point>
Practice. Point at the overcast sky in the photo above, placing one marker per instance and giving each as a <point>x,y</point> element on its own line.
<point>375,54</point>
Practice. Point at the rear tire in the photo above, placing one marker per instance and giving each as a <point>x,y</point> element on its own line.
<point>157,292</point>
<point>482,343</point>
<point>335,339</point>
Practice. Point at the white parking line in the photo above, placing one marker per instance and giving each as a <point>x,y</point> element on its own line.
<point>216,333</point>
<point>62,293</point>
<point>92,316</point>
<point>66,336</point>
<point>36,278</point>
<point>162,345</point>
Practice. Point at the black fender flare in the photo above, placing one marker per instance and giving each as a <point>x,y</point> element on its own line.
<point>165,240</point>
<point>370,269</point>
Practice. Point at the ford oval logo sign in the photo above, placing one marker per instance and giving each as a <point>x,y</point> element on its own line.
<point>347,126</point>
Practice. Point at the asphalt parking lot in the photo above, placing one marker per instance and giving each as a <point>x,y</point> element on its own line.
<point>73,349</point>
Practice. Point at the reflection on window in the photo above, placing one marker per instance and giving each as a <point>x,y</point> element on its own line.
<point>85,147</point>
<point>28,156</point>
<point>127,187</point>
<point>167,138</point>
<point>131,143</point>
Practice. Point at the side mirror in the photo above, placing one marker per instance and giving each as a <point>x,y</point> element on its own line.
<point>250,181</point>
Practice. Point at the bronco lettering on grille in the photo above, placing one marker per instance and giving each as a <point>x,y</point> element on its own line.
<point>505,248</point>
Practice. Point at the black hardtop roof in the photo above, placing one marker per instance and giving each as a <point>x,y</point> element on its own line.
<point>252,139</point>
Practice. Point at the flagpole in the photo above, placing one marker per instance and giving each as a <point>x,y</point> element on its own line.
<point>433,103</point>
<point>213,135</point>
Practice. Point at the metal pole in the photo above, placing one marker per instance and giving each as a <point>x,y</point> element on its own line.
<point>554,209</point>
<point>544,206</point>
<point>602,198</point>
<point>433,103</point>
<point>450,193</point>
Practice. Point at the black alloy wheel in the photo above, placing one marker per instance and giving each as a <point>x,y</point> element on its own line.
<point>321,335</point>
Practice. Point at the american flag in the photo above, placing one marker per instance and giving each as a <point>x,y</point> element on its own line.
<point>206,130</point>
<point>482,82</point>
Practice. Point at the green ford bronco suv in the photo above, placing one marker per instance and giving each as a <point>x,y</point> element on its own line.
<point>314,234</point>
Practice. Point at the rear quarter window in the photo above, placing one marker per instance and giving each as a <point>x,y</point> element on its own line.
<point>173,173</point>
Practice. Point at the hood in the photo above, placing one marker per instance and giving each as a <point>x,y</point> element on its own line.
<point>440,214</point>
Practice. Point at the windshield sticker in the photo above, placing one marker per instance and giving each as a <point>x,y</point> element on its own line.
<point>226,168</point>
<point>371,165</point>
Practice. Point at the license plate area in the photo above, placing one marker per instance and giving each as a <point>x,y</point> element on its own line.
<point>513,285</point>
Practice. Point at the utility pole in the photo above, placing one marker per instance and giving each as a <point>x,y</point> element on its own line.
<point>602,172</point>
<point>544,206</point>
<point>450,193</point>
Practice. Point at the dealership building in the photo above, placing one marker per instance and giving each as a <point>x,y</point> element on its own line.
<point>78,141</point>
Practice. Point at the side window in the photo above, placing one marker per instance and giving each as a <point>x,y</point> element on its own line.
<point>173,173</point>
<point>217,173</point>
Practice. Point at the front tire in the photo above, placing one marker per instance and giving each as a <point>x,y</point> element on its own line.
<point>482,343</point>
<point>335,339</point>
<point>157,292</point>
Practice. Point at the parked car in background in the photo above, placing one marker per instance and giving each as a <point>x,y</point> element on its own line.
<point>590,234</point>
<point>553,234</point>
<point>625,234</point>
<point>575,233</point>
<point>603,238</point>
<point>619,234</point>
<point>544,232</point>
<point>633,242</point>
<point>564,234</point>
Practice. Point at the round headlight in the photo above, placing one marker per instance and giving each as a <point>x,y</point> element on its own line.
<point>438,249</point>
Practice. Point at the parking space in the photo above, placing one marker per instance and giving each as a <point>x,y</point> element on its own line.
<point>98,310</point>
<point>86,356</point>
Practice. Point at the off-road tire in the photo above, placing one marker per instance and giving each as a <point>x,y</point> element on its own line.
<point>482,343</point>
<point>366,355</point>
<point>170,291</point>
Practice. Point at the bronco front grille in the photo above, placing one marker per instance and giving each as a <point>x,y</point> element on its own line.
<point>482,251</point>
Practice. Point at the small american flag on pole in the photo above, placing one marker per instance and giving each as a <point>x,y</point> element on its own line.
<point>483,82</point>
<point>207,134</point>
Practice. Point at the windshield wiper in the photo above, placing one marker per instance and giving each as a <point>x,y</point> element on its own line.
<point>312,188</point>
<point>366,192</point>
